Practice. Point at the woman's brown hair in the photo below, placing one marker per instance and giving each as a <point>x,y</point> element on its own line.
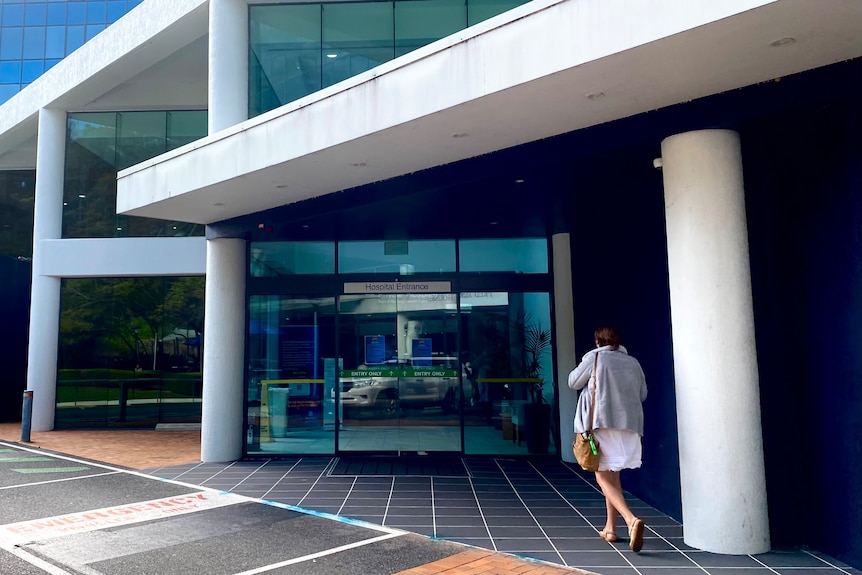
<point>608,336</point>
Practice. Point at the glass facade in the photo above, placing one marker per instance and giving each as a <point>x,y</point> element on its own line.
<point>35,35</point>
<point>129,351</point>
<point>298,49</point>
<point>17,193</point>
<point>454,371</point>
<point>98,145</point>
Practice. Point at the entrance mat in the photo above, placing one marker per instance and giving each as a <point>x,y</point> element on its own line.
<point>405,465</point>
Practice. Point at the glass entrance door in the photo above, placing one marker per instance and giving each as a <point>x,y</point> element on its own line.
<point>400,382</point>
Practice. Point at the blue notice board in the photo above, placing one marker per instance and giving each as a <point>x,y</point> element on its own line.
<point>422,351</point>
<point>375,349</point>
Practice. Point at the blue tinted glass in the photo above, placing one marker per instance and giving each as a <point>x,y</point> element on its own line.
<point>10,43</point>
<point>96,12</point>
<point>76,13</point>
<point>35,15</point>
<point>56,14</point>
<point>31,70</point>
<point>7,91</point>
<point>132,3</point>
<point>10,72</point>
<point>34,43</point>
<point>396,257</point>
<point>50,64</point>
<point>55,42</point>
<point>115,10</point>
<point>292,258</point>
<point>13,15</point>
<point>74,38</point>
<point>528,255</point>
<point>94,29</point>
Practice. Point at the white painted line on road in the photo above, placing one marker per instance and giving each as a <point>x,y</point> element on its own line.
<point>77,477</point>
<point>49,568</point>
<point>312,556</point>
<point>120,515</point>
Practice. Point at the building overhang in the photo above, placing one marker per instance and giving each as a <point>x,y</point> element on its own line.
<point>543,69</point>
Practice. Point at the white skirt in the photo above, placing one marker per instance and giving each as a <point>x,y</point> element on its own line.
<point>618,449</point>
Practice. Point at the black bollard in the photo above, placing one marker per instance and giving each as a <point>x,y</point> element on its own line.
<point>26,416</point>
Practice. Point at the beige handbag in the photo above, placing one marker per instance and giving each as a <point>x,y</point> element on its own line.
<point>585,446</point>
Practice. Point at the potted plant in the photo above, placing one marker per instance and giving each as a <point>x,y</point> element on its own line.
<point>536,343</point>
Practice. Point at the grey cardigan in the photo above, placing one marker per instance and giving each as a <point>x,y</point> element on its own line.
<point>622,388</point>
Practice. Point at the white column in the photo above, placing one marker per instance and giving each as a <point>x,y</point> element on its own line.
<point>564,339</point>
<point>715,361</point>
<point>228,64</point>
<point>224,351</point>
<point>45,290</point>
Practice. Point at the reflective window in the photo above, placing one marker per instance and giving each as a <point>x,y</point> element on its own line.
<point>100,144</point>
<point>508,365</point>
<point>481,10</point>
<point>292,258</point>
<point>17,191</point>
<point>296,50</point>
<point>285,61</point>
<point>35,15</point>
<point>396,257</point>
<point>34,43</point>
<point>56,14</point>
<point>420,22</point>
<point>55,42</point>
<point>11,41</point>
<point>130,351</point>
<point>357,36</point>
<point>292,374</point>
<point>520,255</point>
<point>49,31</point>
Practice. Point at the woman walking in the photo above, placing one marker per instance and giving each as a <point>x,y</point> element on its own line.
<point>617,423</point>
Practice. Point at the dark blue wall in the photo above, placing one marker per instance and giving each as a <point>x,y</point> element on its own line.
<point>14,305</point>
<point>803,172</point>
<point>620,278</point>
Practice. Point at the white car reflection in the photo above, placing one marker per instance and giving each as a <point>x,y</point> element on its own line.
<point>387,390</point>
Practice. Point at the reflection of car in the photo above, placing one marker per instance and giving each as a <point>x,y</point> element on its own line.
<point>394,386</point>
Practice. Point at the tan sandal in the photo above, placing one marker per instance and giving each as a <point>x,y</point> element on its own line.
<point>636,535</point>
<point>608,536</point>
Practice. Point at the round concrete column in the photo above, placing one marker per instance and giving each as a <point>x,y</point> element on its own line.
<point>224,349</point>
<point>715,360</point>
<point>45,290</point>
<point>228,64</point>
<point>564,339</point>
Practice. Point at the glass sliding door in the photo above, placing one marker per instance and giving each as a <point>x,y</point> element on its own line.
<point>508,382</point>
<point>400,381</point>
<point>292,371</point>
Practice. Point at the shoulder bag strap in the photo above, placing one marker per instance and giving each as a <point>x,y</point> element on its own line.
<point>595,385</point>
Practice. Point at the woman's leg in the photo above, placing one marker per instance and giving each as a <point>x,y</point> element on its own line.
<point>612,489</point>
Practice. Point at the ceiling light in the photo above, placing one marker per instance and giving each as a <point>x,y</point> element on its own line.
<point>82,195</point>
<point>596,96</point>
<point>218,204</point>
<point>359,164</point>
<point>460,135</point>
<point>332,55</point>
<point>281,186</point>
<point>787,41</point>
<point>519,181</point>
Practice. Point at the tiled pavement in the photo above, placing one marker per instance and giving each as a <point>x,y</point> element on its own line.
<point>546,510</point>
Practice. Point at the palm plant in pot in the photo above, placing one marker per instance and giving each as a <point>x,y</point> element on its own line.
<point>535,343</point>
